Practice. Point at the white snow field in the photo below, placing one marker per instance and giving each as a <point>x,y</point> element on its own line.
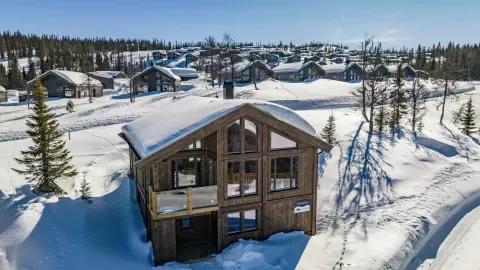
<point>383,202</point>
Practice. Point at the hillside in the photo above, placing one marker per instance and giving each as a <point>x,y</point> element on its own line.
<point>378,196</point>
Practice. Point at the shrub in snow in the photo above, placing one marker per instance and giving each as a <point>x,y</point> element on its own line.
<point>328,132</point>
<point>70,106</point>
<point>47,160</point>
<point>85,192</point>
<point>467,119</point>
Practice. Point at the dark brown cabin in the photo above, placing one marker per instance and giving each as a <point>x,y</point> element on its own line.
<point>246,170</point>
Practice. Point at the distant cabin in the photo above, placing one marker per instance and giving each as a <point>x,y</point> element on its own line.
<point>68,84</point>
<point>293,59</point>
<point>158,55</point>
<point>185,73</point>
<point>233,169</point>
<point>171,55</point>
<point>314,58</point>
<point>156,78</point>
<point>272,60</point>
<point>298,71</point>
<point>3,94</point>
<point>390,71</point>
<point>107,77</point>
<point>190,57</point>
<point>256,71</point>
<point>337,60</point>
<point>342,72</point>
<point>253,57</point>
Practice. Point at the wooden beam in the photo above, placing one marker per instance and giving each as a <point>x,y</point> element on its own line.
<point>195,211</point>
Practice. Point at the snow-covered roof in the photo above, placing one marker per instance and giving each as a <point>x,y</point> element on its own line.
<point>152,133</point>
<point>336,68</point>
<point>2,89</point>
<point>72,77</point>
<point>106,74</point>
<point>185,72</point>
<point>290,67</point>
<point>164,70</point>
<point>258,62</point>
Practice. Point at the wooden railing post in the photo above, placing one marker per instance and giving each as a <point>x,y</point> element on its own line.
<point>153,201</point>
<point>190,203</point>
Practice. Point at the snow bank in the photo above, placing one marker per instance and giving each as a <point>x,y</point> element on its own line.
<point>163,127</point>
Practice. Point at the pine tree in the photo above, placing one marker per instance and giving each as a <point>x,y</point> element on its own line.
<point>3,76</point>
<point>328,132</point>
<point>458,114</point>
<point>15,78</point>
<point>47,160</point>
<point>467,119</point>
<point>398,100</point>
<point>85,192</point>
<point>31,71</point>
<point>70,106</point>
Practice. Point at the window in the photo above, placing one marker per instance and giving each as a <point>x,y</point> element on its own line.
<point>187,172</point>
<point>242,184</point>
<point>242,129</point>
<point>234,224</point>
<point>234,137</point>
<point>244,221</point>
<point>233,179</point>
<point>186,222</point>
<point>283,173</point>
<point>278,142</point>
<point>250,136</point>
<point>194,146</point>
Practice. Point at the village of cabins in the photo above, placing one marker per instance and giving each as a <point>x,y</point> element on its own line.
<point>237,169</point>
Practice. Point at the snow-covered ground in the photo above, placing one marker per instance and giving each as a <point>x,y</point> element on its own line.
<point>381,199</point>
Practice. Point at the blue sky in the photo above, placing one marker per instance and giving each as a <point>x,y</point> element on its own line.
<point>395,23</point>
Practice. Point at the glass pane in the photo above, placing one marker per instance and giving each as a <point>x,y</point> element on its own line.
<point>186,222</point>
<point>250,178</point>
<point>171,201</point>
<point>185,172</point>
<point>272,174</point>
<point>280,142</point>
<point>250,220</point>
<point>250,136</point>
<point>212,169</point>
<point>199,172</point>
<point>234,223</point>
<point>295,172</point>
<point>282,173</point>
<point>233,137</point>
<point>204,196</point>
<point>233,179</point>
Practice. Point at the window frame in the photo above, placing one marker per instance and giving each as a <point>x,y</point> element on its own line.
<point>292,171</point>
<point>242,178</point>
<point>242,136</point>
<point>242,222</point>
<point>175,169</point>
<point>286,137</point>
<point>189,222</point>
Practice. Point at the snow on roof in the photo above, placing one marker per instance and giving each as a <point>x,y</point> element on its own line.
<point>106,74</point>
<point>290,67</point>
<point>2,89</point>
<point>256,62</point>
<point>336,68</point>
<point>164,70</point>
<point>180,117</point>
<point>185,72</point>
<point>73,77</point>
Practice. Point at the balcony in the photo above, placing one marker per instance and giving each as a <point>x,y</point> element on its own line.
<point>182,202</point>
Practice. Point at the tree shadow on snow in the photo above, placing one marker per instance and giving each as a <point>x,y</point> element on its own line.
<point>363,181</point>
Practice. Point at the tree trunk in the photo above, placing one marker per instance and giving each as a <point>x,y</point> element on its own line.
<point>445,92</point>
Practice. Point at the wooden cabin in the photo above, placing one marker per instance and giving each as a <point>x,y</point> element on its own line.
<point>272,60</point>
<point>255,71</point>
<point>253,57</point>
<point>172,55</point>
<point>293,59</point>
<point>157,55</point>
<point>107,77</point>
<point>299,71</point>
<point>343,72</point>
<point>233,169</point>
<point>155,78</point>
<point>68,84</point>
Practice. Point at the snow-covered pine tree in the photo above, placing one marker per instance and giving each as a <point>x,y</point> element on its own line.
<point>398,100</point>
<point>467,119</point>
<point>47,160</point>
<point>70,106</point>
<point>328,132</point>
<point>85,192</point>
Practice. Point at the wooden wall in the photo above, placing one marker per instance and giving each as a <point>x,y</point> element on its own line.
<point>163,240</point>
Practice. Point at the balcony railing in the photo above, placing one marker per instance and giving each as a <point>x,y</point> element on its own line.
<point>181,202</point>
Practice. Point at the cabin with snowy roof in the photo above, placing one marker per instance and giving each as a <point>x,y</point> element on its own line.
<point>155,78</point>
<point>69,84</point>
<point>293,59</point>
<point>172,55</point>
<point>299,71</point>
<point>107,77</point>
<point>233,169</point>
<point>255,71</point>
<point>343,72</point>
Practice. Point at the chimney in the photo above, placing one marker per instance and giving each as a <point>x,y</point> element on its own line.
<point>228,90</point>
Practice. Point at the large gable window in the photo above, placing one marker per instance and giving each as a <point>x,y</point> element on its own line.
<point>187,172</point>
<point>242,137</point>
<point>279,142</point>
<point>283,173</point>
